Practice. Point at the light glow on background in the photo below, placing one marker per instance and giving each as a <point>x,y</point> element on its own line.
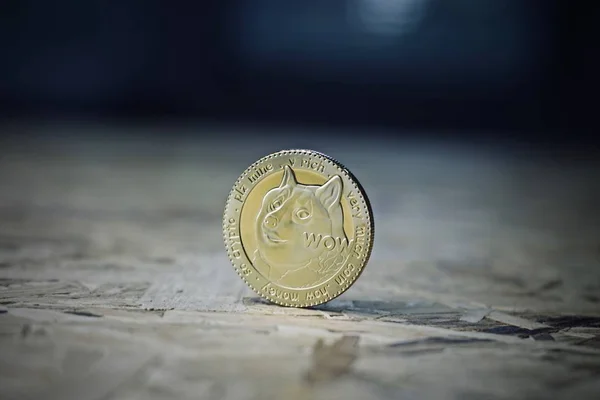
<point>387,17</point>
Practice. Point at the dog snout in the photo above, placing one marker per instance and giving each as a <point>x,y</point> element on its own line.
<point>271,221</point>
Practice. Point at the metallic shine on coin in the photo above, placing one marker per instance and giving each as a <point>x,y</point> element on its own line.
<point>298,228</point>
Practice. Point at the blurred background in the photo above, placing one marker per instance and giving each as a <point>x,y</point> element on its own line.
<point>521,70</point>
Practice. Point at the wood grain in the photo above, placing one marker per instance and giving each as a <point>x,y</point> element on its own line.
<point>114,283</point>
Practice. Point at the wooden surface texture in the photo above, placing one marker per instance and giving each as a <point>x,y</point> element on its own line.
<point>484,281</point>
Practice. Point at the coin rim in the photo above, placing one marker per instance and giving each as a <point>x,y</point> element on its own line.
<point>369,238</point>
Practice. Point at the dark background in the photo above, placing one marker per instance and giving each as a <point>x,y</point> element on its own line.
<point>520,69</point>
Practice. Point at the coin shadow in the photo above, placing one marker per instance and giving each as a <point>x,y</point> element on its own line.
<point>375,307</point>
<point>367,308</point>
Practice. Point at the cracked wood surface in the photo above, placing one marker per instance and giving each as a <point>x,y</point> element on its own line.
<point>484,280</point>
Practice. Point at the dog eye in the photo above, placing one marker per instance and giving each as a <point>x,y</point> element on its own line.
<point>276,204</point>
<point>302,213</point>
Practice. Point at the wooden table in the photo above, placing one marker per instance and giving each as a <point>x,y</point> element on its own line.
<point>114,284</point>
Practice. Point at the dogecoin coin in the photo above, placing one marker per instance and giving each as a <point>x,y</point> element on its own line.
<point>298,228</point>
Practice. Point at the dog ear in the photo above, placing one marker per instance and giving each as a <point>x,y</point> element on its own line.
<point>331,192</point>
<point>289,179</point>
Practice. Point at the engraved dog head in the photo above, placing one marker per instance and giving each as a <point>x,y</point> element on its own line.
<point>292,210</point>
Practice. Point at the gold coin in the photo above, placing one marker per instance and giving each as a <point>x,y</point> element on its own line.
<point>298,228</point>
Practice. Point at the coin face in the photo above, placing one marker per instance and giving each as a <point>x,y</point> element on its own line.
<point>298,228</point>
